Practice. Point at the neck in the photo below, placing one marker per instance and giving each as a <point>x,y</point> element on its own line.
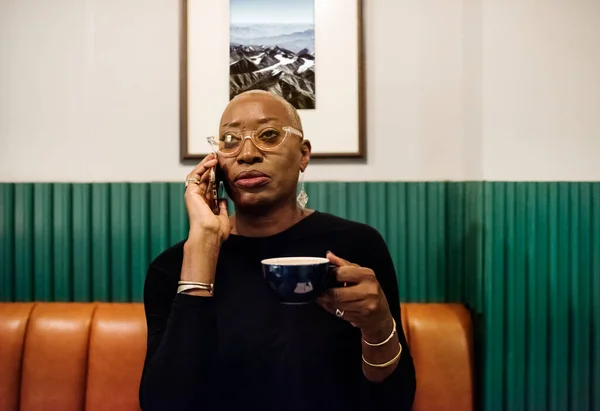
<point>250,223</point>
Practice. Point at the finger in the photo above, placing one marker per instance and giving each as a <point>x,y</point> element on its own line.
<point>348,315</point>
<point>208,162</point>
<point>343,295</point>
<point>353,274</point>
<point>199,188</point>
<point>223,209</point>
<point>334,259</point>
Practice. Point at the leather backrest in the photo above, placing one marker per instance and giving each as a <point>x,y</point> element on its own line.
<point>74,356</point>
<point>117,350</point>
<point>439,336</point>
<point>55,357</point>
<point>13,325</point>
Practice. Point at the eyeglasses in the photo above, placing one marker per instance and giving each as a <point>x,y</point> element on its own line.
<point>267,139</point>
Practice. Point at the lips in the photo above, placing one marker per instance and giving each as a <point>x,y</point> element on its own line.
<point>251,178</point>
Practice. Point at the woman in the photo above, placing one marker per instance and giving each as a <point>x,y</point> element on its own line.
<point>219,339</point>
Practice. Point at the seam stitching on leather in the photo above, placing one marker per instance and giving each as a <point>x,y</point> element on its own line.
<point>87,355</point>
<point>27,322</point>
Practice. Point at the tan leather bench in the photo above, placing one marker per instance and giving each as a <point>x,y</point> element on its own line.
<point>74,356</point>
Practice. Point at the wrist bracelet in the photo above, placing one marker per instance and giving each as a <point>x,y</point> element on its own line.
<point>193,285</point>
<point>384,341</point>
<point>385,364</point>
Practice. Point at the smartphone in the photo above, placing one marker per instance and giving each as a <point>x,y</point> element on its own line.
<point>216,186</point>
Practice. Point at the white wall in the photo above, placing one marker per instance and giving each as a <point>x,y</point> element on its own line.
<point>461,90</point>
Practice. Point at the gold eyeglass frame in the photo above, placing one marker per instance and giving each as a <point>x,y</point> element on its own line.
<point>214,142</point>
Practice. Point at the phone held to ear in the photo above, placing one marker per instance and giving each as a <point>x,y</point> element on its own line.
<point>216,180</point>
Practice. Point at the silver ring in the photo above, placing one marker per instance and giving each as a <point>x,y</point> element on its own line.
<point>192,180</point>
<point>339,313</point>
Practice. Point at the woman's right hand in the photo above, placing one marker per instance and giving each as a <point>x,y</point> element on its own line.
<point>199,200</point>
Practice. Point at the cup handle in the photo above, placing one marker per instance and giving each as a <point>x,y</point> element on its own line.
<point>332,281</point>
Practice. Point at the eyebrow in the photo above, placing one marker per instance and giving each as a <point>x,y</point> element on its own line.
<point>261,120</point>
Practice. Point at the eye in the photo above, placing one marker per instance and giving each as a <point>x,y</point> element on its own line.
<point>229,140</point>
<point>270,134</point>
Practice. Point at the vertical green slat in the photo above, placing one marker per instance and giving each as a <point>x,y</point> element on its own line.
<point>441,251</point>
<point>101,258</point>
<point>42,251</point>
<point>24,243</point>
<point>462,278</point>
<point>320,191</point>
<point>412,256</point>
<point>458,224</point>
<point>361,205</point>
<point>119,242</point>
<point>574,274</point>
<point>311,191</point>
<point>475,271</point>
<point>433,277</point>
<point>381,222</point>
<point>63,242</point>
<point>392,208</point>
<point>537,267</point>
<point>559,354</point>
<point>529,211</point>
<point>339,202</point>
<point>355,211</point>
<point>481,237</point>
<point>178,218</point>
<point>519,303</point>
<point>7,239</point>
<point>421,235</point>
<point>332,194</point>
<point>82,242</point>
<point>139,237</point>
<point>456,241</point>
<point>370,195</point>
<point>473,246</point>
<point>553,252</point>
<point>497,296</point>
<point>403,259</point>
<point>595,298</point>
<point>159,218</point>
<point>508,246</point>
<point>580,363</point>
<point>489,377</point>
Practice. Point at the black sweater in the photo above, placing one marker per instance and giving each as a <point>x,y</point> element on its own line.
<point>242,350</point>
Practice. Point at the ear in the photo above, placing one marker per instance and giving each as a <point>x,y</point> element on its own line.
<point>305,149</point>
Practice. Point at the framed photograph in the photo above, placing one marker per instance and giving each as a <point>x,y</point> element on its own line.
<point>308,51</point>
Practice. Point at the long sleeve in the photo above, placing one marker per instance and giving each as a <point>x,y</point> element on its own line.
<point>396,392</point>
<point>178,369</point>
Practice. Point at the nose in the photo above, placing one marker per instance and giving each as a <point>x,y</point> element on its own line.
<point>249,153</point>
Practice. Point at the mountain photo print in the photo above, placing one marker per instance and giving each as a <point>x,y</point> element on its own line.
<point>272,47</point>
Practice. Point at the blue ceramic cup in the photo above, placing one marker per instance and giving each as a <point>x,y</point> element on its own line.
<point>298,280</point>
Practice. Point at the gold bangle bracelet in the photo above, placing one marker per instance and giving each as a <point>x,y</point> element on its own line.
<point>192,285</point>
<point>379,344</point>
<point>385,364</point>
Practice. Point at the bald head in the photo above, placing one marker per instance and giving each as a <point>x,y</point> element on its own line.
<point>291,111</point>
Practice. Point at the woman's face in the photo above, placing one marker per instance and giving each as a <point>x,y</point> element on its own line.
<point>258,178</point>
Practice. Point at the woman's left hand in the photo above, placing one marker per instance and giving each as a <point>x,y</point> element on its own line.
<point>361,302</point>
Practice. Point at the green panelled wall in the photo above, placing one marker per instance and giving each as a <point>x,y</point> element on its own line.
<point>524,257</point>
